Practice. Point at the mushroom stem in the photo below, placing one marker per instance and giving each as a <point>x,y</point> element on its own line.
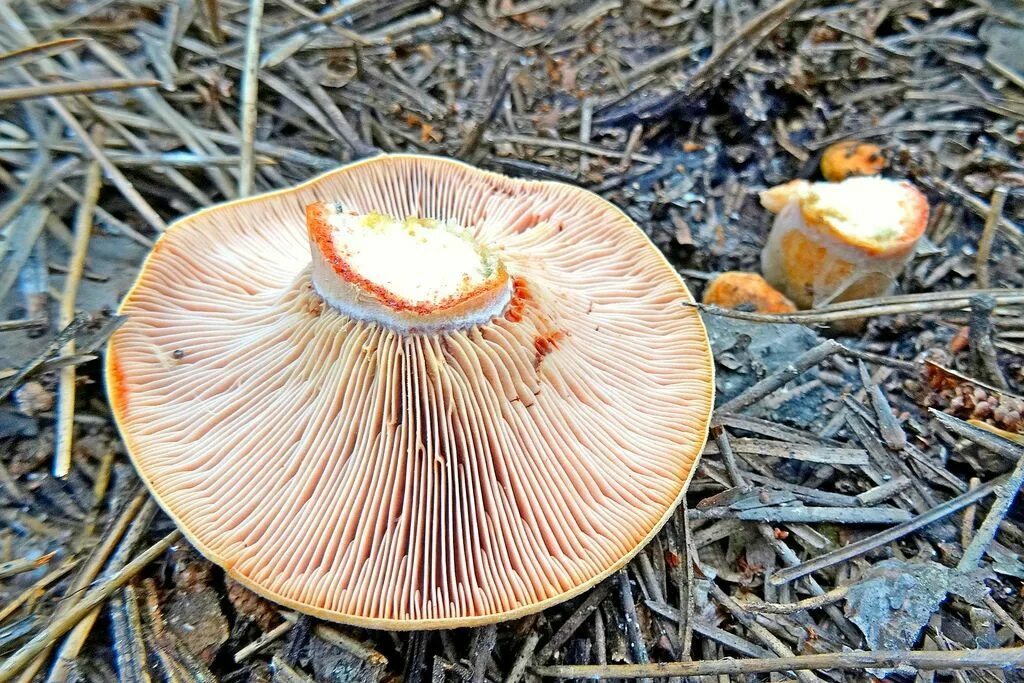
<point>408,274</point>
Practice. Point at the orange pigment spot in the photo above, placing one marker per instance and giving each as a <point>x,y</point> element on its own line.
<point>520,295</point>
<point>119,393</point>
<point>545,344</point>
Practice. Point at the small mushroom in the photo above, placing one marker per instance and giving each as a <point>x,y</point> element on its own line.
<point>842,160</point>
<point>834,242</point>
<point>734,289</point>
<point>447,398</point>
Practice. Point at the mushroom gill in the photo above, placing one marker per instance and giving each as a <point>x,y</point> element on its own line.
<point>414,478</point>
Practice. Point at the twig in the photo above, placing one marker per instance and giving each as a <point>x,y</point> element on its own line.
<point>636,641</point>
<point>250,90</point>
<point>988,235</point>
<point>1005,495</point>
<point>870,543</point>
<point>74,88</point>
<point>1011,230</point>
<point>93,599</point>
<point>984,362</point>
<point>823,600</point>
<point>891,431</point>
<point>10,325</point>
<point>524,656</point>
<point>261,642</point>
<point>981,437</point>
<point>476,133</point>
<point>34,589</point>
<point>286,673</point>
<point>7,385</point>
<point>38,51</point>
<point>565,631</point>
<point>780,377</point>
<point>63,428</point>
<point>1004,617</point>
<point>556,143</point>
<point>345,130</point>
<point>212,8</point>
<point>337,638</point>
<point>756,629</point>
<point>807,515</point>
<point>892,305</point>
<point>33,181</point>
<point>116,176</point>
<point>130,649</point>
<point>24,564</point>
<point>480,652</point>
<point>949,660</point>
<point>725,448</point>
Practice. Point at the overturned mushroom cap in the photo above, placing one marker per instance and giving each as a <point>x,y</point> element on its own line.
<point>326,432</point>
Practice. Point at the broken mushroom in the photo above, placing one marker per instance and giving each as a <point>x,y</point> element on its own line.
<point>834,242</point>
<point>479,396</point>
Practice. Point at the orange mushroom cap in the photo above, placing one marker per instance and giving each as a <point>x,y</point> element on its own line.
<point>734,288</point>
<point>345,447</point>
<point>842,160</point>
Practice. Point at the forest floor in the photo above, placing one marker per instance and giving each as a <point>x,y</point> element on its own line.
<point>850,518</point>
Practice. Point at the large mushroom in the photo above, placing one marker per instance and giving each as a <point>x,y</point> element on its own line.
<point>480,396</point>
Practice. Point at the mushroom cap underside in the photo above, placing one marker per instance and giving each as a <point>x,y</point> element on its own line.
<point>422,480</point>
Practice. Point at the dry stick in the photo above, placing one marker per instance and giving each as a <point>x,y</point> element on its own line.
<point>725,449</point>
<point>780,377</point>
<point>169,118</point>
<point>250,90</point>
<point>524,657</point>
<point>116,176</point>
<point>981,437</point>
<point>286,673</point>
<point>892,305</point>
<point>1005,495</point>
<point>129,648</point>
<point>807,515</point>
<point>1004,617</point>
<point>476,133</point>
<point>66,384</point>
<point>870,543</point>
<point>24,564</point>
<point>1012,232</point>
<point>948,660</point>
<point>28,190</point>
<point>988,235</point>
<point>93,599</point>
<point>586,608</point>
<point>38,51</point>
<point>32,590</point>
<point>9,325</point>
<point>72,645</point>
<point>636,641</point>
<point>766,637</point>
<point>8,384</point>
<point>337,638</point>
<point>345,130</point>
<point>889,427</point>
<point>984,362</point>
<point>261,642</point>
<point>555,143</point>
<point>480,652</point>
<point>74,88</point>
<point>823,600</point>
<point>212,8</point>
